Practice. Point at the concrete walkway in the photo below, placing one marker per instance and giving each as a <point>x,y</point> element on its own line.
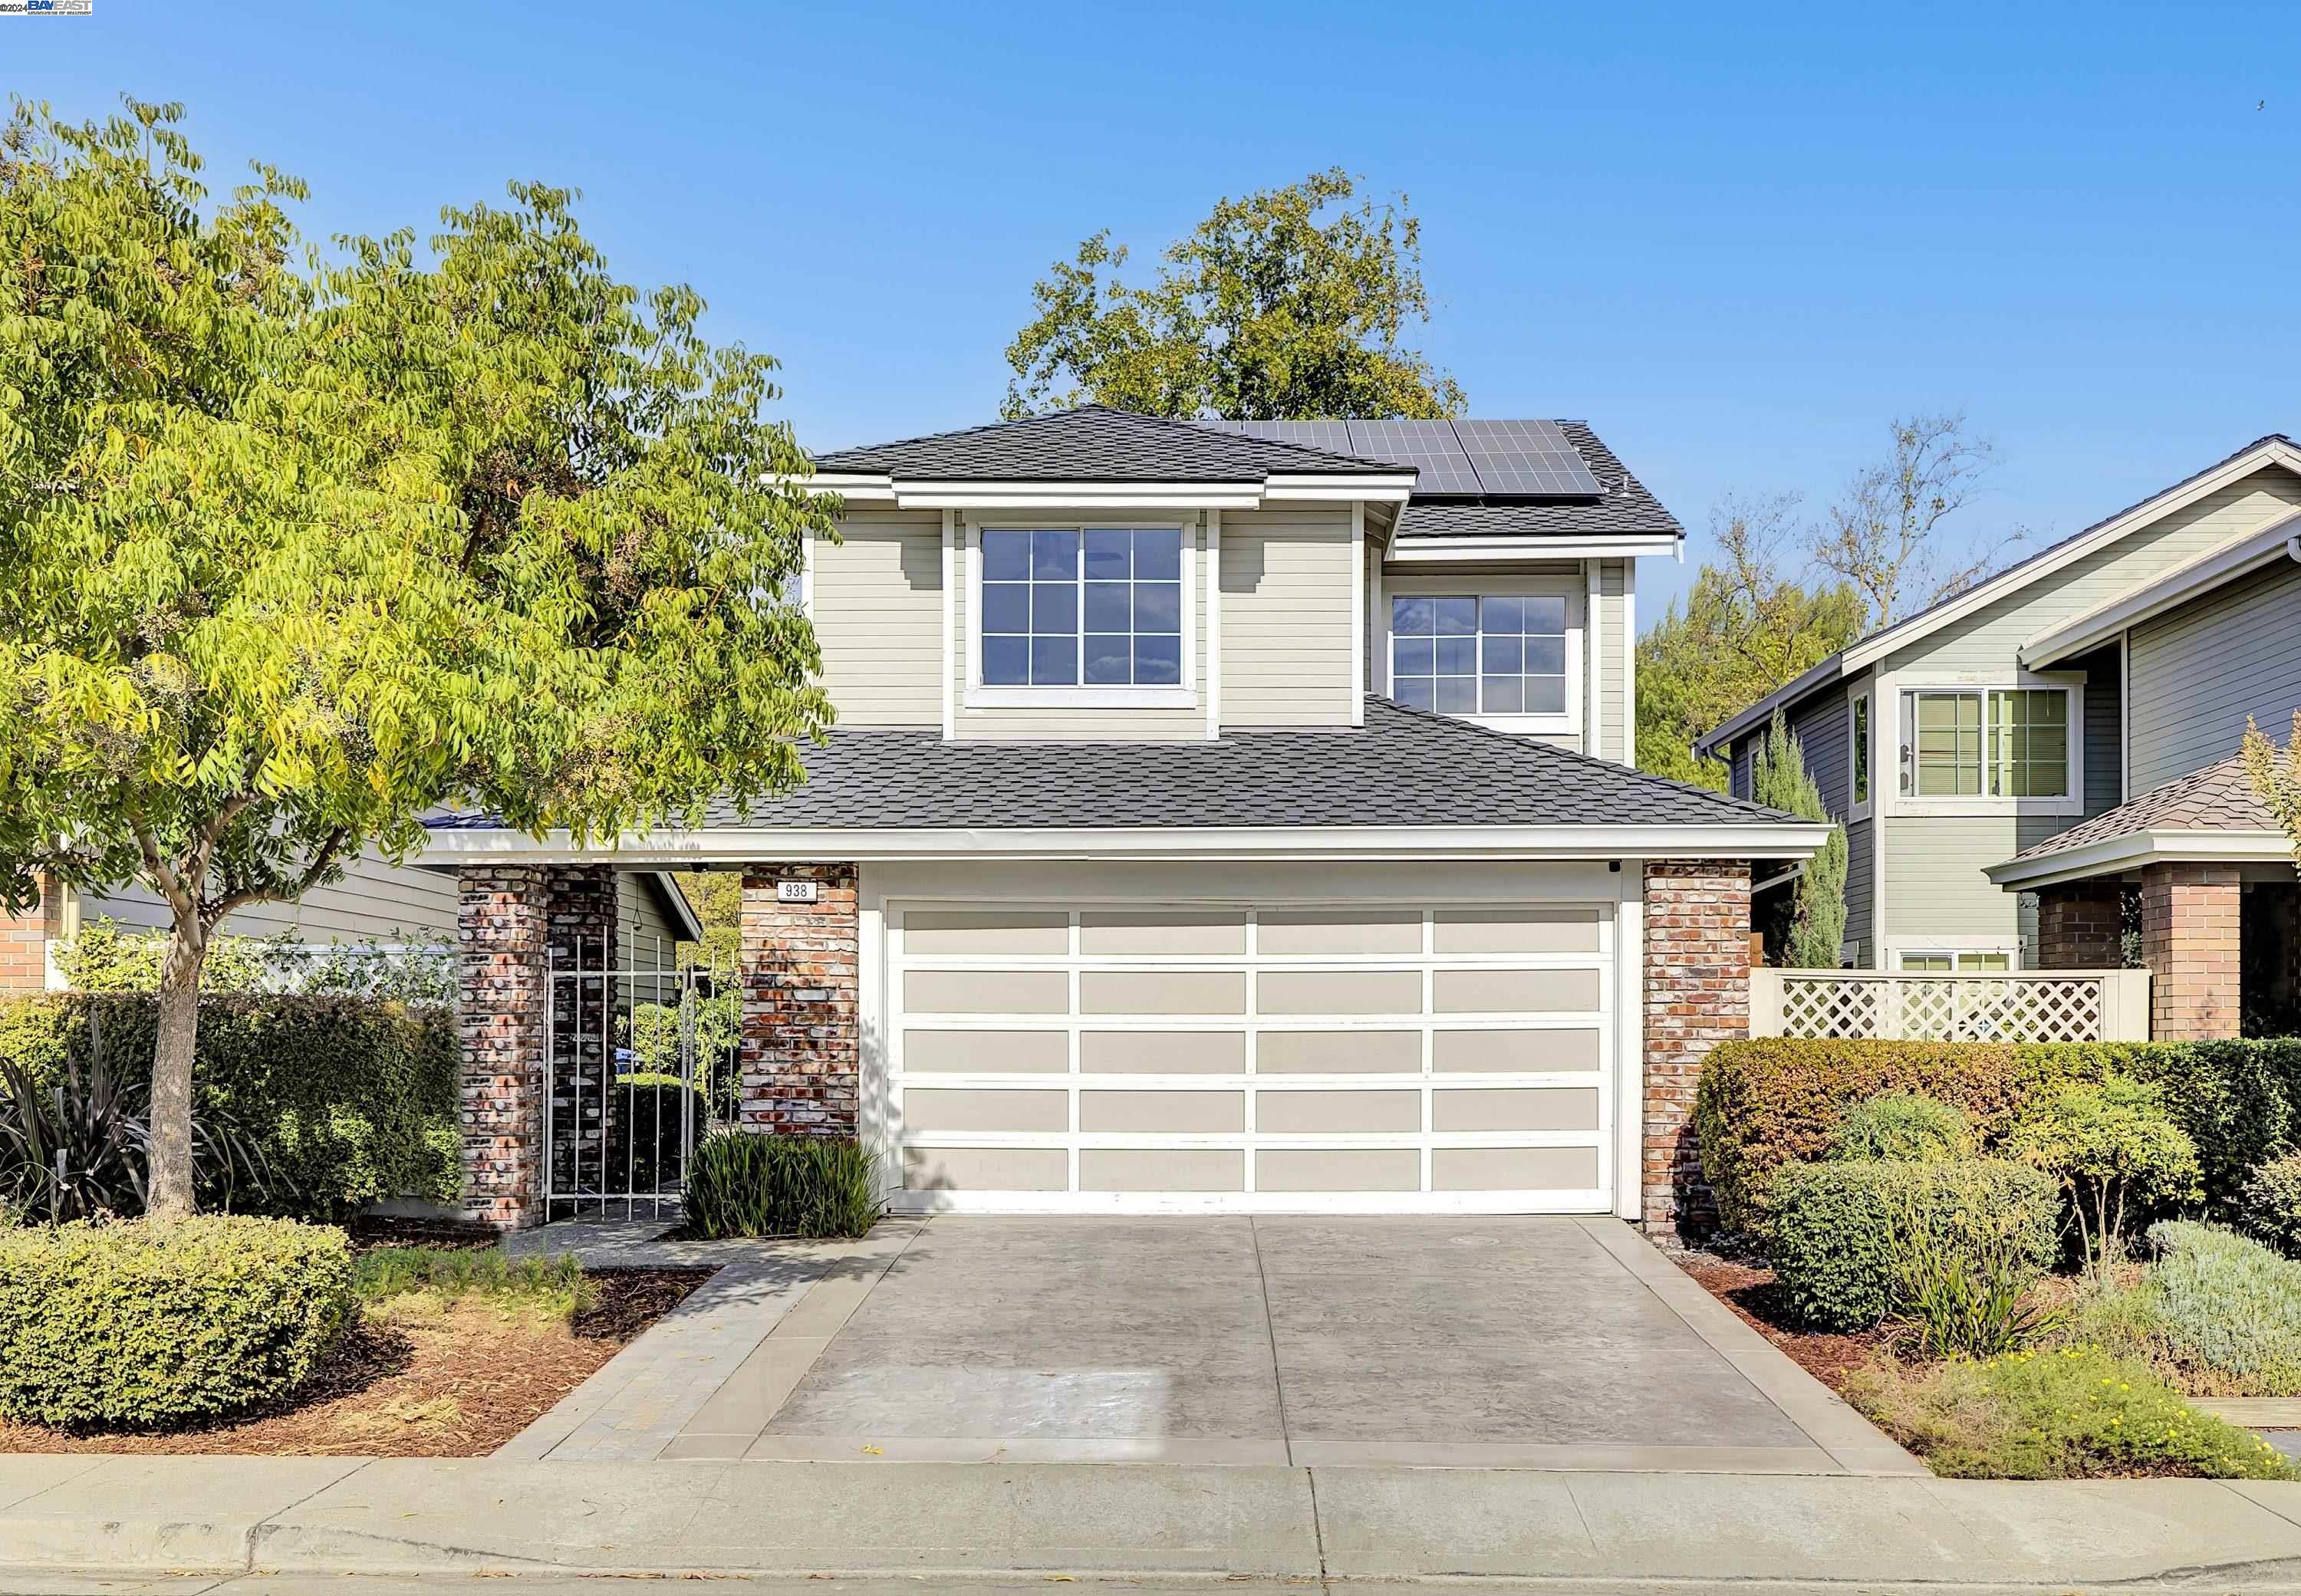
<point>1460,1343</point>
<point>944,1522</point>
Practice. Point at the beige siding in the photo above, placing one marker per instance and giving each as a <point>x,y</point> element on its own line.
<point>1287,619</point>
<point>2198,671</point>
<point>375,902</point>
<point>1933,885</point>
<point>876,599</point>
<point>1082,725</point>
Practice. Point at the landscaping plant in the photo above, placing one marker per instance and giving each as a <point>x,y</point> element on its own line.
<point>166,1321</point>
<point>2067,1412</point>
<point>1855,1241</point>
<point>2269,1205</point>
<point>2112,1148</point>
<point>742,1184</point>
<point>1814,936</point>
<point>554,1288</point>
<point>2219,1314</point>
<point>1904,1125</point>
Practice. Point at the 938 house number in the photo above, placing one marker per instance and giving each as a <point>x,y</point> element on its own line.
<point>795,891</point>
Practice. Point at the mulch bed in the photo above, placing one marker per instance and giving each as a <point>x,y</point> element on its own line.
<point>455,1384</point>
<point>1751,1291</point>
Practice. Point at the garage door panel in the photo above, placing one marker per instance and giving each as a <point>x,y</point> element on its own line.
<point>985,1169</point>
<point>1162,991</point>
<point>1525,1052</point>
<point>1338,991</point>
<point>1338,1169</point>
<point>1329,1113</point>
<point>1177,933</point>
<point>987,1052</point>
<point>1519,1108</point>
<point>1162,1052</point>
<point>987,992</point>
<point>1295,932</point>
<point>1338,1053</point>
<point>1515,991</point>
<point>1155,1170</point>
<point>1163,1113</point>
<point>961,1108</point>
<point>1514,1168</point>
<point>987,933</point>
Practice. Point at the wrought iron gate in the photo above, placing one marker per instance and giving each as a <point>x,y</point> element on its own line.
<point>643,1065</point>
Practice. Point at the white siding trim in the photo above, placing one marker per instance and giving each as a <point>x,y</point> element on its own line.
<point>1630,663</point>
<point>1594,715</point>
<point>1628,1044</point>
<point>949,623</point>
<point>1358,611</point>
<point>2070,683</point>
<point>1214,623</point>
<point>2125,716</point>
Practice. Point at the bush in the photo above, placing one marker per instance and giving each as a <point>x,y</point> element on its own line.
<point>2074,1413</point>
<point>739,1184</point>
<point>2221,1313</point>
<point>1767,1101</point>
<point>163,1322</point>
<point>346,1100</point>
<point>2270,1204</point>
<point>1902,1125</point>
<point>554,1287</point>
<point>1849,1237</point>
<point>2111,1147</point>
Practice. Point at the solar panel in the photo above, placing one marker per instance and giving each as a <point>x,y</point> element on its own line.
<point>1428,447</point>
<point>1525,457</point>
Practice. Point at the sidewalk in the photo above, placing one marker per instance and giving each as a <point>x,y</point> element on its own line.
<point>61,1516</point>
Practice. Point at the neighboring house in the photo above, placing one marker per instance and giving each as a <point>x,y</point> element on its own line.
<point>375,902</point>
<point>1128,882</point>
<point>2072,720</point>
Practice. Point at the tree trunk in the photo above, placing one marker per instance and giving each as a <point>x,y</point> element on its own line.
<point>171,1071</point>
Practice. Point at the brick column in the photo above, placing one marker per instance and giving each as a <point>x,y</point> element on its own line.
<point>2080,926</point>
<point>502,920</point>
<point>1698,995</point>
<point>24,944</point>
<point>2189,940</point>
<point>799,1046</point>
<point>582,899</point>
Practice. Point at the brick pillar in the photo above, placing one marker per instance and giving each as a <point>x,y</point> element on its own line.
<point>1698,995</point>
<point>502,920</point>
<point>2189,940</point>
<point>24,942</point>
<point>2080,926</point>
<point>799,1051</point>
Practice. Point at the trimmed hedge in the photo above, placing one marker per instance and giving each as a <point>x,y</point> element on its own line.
<point>1841,1233</point>
<point>742,1183</point>
<point>1767,1101</point>
<point>352,1100</point>
<point>158,1322</point>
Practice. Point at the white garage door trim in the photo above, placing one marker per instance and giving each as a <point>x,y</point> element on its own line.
<point>1612,1139</point>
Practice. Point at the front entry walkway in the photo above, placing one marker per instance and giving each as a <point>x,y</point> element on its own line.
<point>1494,1342</point>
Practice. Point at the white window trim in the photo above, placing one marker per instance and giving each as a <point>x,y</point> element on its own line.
<point>1859,808</point>
<point>1577,623</point>
<point>1901,956</point>
<point>1183,695</point>
<point>1909,802</point>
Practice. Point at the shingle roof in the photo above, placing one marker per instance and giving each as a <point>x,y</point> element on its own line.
<point>2219,797</point>
<point>1096,444</point>
<point>1403,768</point>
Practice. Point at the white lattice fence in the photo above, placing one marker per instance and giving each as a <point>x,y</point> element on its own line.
<point>2030,1005</point>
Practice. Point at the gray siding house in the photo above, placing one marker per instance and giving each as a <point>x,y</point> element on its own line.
<point>2029,711</point>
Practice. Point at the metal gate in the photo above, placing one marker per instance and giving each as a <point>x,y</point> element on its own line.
<point>643,1065</point>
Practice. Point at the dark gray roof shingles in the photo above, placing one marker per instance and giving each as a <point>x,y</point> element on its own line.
<point>1095,444</point>
<point>2219,797</point>
<point>1403,768</point>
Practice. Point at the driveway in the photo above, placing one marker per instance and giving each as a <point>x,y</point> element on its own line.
<point>1541,1342</point>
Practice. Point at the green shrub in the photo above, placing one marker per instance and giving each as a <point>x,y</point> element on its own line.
<point>2218,1311</point>
<point>2270,1204</point>
<point>556,1288</point>
<point>739,1184</point>
<point>2073,1413</point>
<point>161,1322</point>
<point>1849,1237</point>
<point>2113,1149</point>
<point>1767,1101</point>
<point>346,1100</point>
<point>1902,1125</point>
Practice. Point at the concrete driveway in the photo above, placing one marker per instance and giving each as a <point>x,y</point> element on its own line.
<point>1541,1342</point>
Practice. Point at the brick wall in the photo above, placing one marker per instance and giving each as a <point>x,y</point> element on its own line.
<point>800,1047</point>
<point>1698,995</point>
<point>2189,940</point>
<point>24,945</point>
<point>502,928</point>
<point>2080,926</point>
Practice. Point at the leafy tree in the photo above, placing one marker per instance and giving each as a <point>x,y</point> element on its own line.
<point>1816,927</point>
<point>1287,306</point>
<point>1879,534</point>
<point>292,552</point>
<point>2110,1143</point>
<point>2275,775</point>
<point>718,898</point>
<point>1745,630</point>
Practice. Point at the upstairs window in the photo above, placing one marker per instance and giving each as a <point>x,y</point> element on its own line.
<point>1091,606</point>
<point>1990,742</point>
<point>1496,655</point>
<point>1859,740</point>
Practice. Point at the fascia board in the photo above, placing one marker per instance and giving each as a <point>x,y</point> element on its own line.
<point>1756,840</point>
<point>1386,490</point>
<point>1416,551</point>
<point>1084,496</point>
<point>2103,622</point>
<point>2134,849</point>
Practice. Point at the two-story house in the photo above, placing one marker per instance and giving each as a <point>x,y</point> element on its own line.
<point>2016,766</point>
<point>1226,817</point>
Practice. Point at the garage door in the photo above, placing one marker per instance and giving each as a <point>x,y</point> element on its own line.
<point>1268,1058</point>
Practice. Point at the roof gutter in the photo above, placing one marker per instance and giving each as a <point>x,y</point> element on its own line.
<point>2113,856</point>
<point>449,848</point>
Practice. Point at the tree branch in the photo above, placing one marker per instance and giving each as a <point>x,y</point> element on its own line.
<point>320,863</point>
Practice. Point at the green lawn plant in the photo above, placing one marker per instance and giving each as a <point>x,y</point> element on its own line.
<point>2115,1149</point>
<point>739,1183</point>
<point>554,1289</point>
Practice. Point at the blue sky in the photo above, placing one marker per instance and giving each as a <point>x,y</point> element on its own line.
<point>1737,244</point>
